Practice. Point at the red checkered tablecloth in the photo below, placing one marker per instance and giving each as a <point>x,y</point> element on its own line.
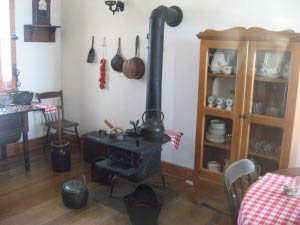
<point>49,108</point>
<point>265,203</point>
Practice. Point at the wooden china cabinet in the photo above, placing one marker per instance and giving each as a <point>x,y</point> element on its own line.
<point>247,99</point>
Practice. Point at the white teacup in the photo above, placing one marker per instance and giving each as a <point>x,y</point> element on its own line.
<point>229,104</point>
<point>211,101</point>
<point>220,103</point>
<point>227,69</point>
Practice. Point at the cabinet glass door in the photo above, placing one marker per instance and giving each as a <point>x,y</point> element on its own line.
<point>271,78</point>
<point>266,110</point>
<point>222,80</point>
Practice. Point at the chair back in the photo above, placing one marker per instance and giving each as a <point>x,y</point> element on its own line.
<point>237,178</point>
<point>55,98</point>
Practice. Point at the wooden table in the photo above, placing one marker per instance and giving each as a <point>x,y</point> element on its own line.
<point>15,119</point>
<point>292,172</point>
<point>266,203</point>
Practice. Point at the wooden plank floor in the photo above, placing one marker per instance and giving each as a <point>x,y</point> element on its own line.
<point>34,198</point>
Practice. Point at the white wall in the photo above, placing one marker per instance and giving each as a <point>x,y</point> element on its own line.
<point>39,62</point>
<point>124,99</point>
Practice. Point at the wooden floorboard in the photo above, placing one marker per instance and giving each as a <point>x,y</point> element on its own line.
<point>34,198</point>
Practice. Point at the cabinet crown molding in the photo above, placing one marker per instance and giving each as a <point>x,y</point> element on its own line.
<point>249,34</point>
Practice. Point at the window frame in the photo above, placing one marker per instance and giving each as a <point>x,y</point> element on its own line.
<point>13,49</point>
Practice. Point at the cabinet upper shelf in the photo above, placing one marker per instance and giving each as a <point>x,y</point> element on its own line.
<point>225,147</point>
<point>39,33</point>
<point>271,80</point>
<point>264,156</point>
<point>220,75</point>
<point>218,112</point>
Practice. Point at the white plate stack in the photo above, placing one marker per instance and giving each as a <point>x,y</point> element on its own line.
<point>216,131</point>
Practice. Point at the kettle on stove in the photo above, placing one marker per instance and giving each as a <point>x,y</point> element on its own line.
<point>152,128</point>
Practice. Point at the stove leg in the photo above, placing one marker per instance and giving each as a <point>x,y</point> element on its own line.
<point>112,185</point>
<point>163,180</point>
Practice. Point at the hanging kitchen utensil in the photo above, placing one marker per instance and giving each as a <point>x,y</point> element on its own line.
<point>117,60</point>
<point>134,67</point>
<point>91,55</point>
<point>102,66</point>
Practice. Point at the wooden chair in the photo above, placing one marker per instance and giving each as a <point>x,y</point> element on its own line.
<point>237,178</point>
<point>67,127</point>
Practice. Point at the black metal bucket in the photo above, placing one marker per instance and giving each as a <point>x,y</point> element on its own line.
<point>75,193</point>
<point>60,156</point>
<point>143,206</point>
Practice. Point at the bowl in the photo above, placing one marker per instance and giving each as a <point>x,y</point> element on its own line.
<point>5,100</point>
<point>22,97</point>
<point>269,72</point>
<point>214,166</point>
<point>218,124</point>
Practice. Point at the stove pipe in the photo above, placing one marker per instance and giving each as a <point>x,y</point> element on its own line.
<point>173,17</point>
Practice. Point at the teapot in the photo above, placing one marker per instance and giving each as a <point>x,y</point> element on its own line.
<point>153,129</point>
<point>217,61</point>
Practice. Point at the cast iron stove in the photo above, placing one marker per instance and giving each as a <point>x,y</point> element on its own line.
<point>133,159</point>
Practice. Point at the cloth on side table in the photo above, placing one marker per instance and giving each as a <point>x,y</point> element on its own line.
<point>175,138</point>
<point>47,107</point>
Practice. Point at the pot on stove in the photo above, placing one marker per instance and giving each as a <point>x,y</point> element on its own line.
<point>153,128</point>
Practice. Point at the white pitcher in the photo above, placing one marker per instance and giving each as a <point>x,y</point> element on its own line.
<point>218,61</point>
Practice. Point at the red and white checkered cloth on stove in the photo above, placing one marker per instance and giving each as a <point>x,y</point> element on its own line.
<point>265,203</point>
<point>175,138</point>
<point>48,107</point>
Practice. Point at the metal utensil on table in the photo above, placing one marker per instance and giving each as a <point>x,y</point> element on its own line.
<point>91,55</point>
<point>117,60</point>
<point>116,133</point>
<point>135,125</point>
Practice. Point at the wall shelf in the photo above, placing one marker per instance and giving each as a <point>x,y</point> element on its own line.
<point>39,33</point>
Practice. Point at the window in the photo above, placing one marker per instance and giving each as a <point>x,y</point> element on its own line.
<point>7,46</point>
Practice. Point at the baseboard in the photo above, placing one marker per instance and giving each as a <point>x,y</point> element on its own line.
<point>177,171</point>
<point>168,168</point>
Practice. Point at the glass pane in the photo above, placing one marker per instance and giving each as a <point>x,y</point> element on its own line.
<point>222,61</point>
<point>5,43</point>
<point>217,143</point>
<point>272,71</point>
<point>221,78</point>
<point>265,146</point>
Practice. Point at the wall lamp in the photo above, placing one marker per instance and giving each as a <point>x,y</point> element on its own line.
<point>115,6</point>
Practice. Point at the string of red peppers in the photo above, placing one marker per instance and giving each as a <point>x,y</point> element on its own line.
<point>102,73</point>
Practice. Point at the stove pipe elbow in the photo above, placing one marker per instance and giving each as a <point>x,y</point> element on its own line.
<point>173,17</point>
